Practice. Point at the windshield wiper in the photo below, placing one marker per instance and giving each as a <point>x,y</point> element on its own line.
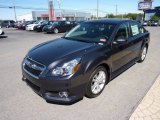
<point>74,39</point>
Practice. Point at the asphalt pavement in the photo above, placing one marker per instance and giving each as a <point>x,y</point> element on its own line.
<point>117,102</point>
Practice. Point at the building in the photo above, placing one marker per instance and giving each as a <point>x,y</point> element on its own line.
<point>149,13</point>
<point>58,15</point>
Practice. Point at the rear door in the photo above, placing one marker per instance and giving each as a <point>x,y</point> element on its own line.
<point>68,25</point>
<point>137,37</point>
<point>62,26</point>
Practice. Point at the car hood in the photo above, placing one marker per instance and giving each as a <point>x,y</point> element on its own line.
<point>31,25</point>
<point>47,53</point>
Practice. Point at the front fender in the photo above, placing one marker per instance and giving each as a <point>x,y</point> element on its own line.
<point>93,62</point>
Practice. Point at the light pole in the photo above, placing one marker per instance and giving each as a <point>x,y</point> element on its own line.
<point>59,4</point>
<point>14,7</point>
<point>97,9</point>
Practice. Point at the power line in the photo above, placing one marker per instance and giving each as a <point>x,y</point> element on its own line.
<point>21,7</point>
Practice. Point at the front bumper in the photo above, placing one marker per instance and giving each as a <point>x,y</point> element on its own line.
<point>50,88</point>
<point>37,29</point>
<point>29,28</point>
<point>154,24</point>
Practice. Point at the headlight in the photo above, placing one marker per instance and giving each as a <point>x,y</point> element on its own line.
<point>66,69</point>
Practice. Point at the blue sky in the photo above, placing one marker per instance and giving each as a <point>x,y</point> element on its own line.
<point>124,6</point>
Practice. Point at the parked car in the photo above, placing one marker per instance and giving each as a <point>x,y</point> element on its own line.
<point>1,32</point>
<point>59,26</point>
<point>7,23</point>
<point>20,24</point>
<point>39,28</point>
<point>154,23</point>
<point>145,23</point>
<point>30,27</point>
<point>85,59</point>
<point>25,23</point>
<point>17,24</point>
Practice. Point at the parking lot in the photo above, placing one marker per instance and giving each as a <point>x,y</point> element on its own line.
<point>117,102</point>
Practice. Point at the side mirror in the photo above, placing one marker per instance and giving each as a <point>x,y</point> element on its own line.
<point>120,40</point>
<point>103,39</point>
<point>65,34</point>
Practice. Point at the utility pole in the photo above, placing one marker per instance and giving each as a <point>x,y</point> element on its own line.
<point>97,9</point>
<point>116,9</point>
<point>14,7</point>
<point>59,4</point>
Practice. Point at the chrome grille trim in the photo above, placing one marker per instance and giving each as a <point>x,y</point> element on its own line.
<point>30,63</point>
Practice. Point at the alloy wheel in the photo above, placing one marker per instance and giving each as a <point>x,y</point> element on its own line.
<point>98,82</point>
<point>144,52</point>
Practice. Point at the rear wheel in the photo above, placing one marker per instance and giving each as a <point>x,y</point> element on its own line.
<point>97,83</point>
<point>143,54</point>
<point>56,30</point>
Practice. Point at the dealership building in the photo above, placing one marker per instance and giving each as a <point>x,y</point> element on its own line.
<point>58,15</point>
<point>151,12</point>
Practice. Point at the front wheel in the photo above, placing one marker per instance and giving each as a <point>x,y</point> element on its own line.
<point>97,82</point>
<point>143,54</point>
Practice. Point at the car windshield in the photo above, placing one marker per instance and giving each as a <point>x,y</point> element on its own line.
<point>91,32</point>
<point>55,23</point>
<point>154,21</point>
<point>37,22</point>
<point>44,22</point>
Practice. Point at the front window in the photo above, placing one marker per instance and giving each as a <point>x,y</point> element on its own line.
<point>123,32</point>
<point>91,32</point>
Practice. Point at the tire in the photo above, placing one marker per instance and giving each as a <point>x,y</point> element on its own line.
<point>143,54</point>
<point>92,89</point>
<point>56,30</point>
<point>3,33</point>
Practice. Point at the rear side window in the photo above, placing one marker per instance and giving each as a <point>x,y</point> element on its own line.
<point>136,29</point>
<point>11,21</point>
<point>142,29</point>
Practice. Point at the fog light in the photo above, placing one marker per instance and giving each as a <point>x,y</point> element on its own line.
<point>63,94</point>
<point>24,79</point>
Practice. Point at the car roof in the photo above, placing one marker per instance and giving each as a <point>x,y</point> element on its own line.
<point>112,21</point>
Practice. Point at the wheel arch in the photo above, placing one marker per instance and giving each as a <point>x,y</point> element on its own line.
<point>108,69</point>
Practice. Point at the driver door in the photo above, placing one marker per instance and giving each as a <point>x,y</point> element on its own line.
<point>120,51</point>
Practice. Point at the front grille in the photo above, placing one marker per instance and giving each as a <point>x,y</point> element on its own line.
<point>33,71</point>
<point>32,67</point>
